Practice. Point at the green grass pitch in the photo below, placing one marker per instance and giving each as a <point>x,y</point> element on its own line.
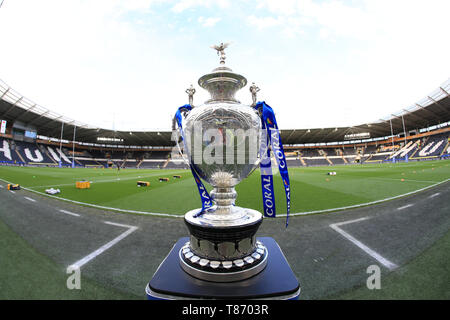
<point>311,188</point>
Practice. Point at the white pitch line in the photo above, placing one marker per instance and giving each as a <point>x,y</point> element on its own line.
<point>366,203</point>
<point>404,207</point>
<point>12,191</point>
<point>335,226</point>
<point>1,187</point>
<point>349,221</point>
<point>30,199</point>
<point>105,247</point>
<point>101,207</point>
<point>434,195</point>
<point>100,181</point>
<point>406,180</point>
<point>68,212</point>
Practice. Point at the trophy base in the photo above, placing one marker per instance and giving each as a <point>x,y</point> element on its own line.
<point>275,282</point>
<point>223,271</point>
<point>223,247</point>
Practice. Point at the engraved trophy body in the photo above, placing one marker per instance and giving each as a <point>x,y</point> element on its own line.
<point>222,140</point>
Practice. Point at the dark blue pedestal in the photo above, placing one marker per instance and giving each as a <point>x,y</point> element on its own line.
<point>276,281</point>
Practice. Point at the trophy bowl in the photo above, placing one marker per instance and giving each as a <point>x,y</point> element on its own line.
<point>222,143</point>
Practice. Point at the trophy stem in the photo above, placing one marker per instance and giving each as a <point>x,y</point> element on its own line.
<point>224,199</point>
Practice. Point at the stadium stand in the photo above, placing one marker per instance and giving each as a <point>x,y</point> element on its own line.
<point>21,152</point>
<point>426,137</point>
<point>58,155</point>
<point>317,161</point>
<point>406,151</point>
<point>433,147</point>
<point>151,164</point>
<point>158,155</point>
<point>89,162</point>
<point>33,154</point>
<point>446,152</point>
<point>131,163</point>
<point>378,157</point>
<point>177,164</point>
<point>293,163</point>
<point>26,153</point>
<point>337,160</point>
<point>8,154</point>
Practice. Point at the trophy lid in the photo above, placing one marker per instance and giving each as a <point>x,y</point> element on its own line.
<point>222,83</point>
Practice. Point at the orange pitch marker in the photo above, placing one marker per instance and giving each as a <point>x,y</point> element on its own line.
<point>83,185</point>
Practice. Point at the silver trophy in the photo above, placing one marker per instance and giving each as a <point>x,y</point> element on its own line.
<point>222,142</point>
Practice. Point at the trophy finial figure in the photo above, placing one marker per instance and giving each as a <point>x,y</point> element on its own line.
<point>191,91</point>
<point>254,90</point>
<point>221,51</point>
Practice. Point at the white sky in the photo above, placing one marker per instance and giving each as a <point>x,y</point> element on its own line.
<point>127,63</point>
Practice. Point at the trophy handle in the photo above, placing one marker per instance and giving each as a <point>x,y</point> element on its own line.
<point>176,135</point>
<point>263,145</point>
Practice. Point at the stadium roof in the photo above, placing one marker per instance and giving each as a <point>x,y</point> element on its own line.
<point>15,107</point>
<point>432,110</point>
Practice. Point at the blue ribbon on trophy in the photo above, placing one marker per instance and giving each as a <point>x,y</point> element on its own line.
<point>269,123</point>
<point>204,195</point>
